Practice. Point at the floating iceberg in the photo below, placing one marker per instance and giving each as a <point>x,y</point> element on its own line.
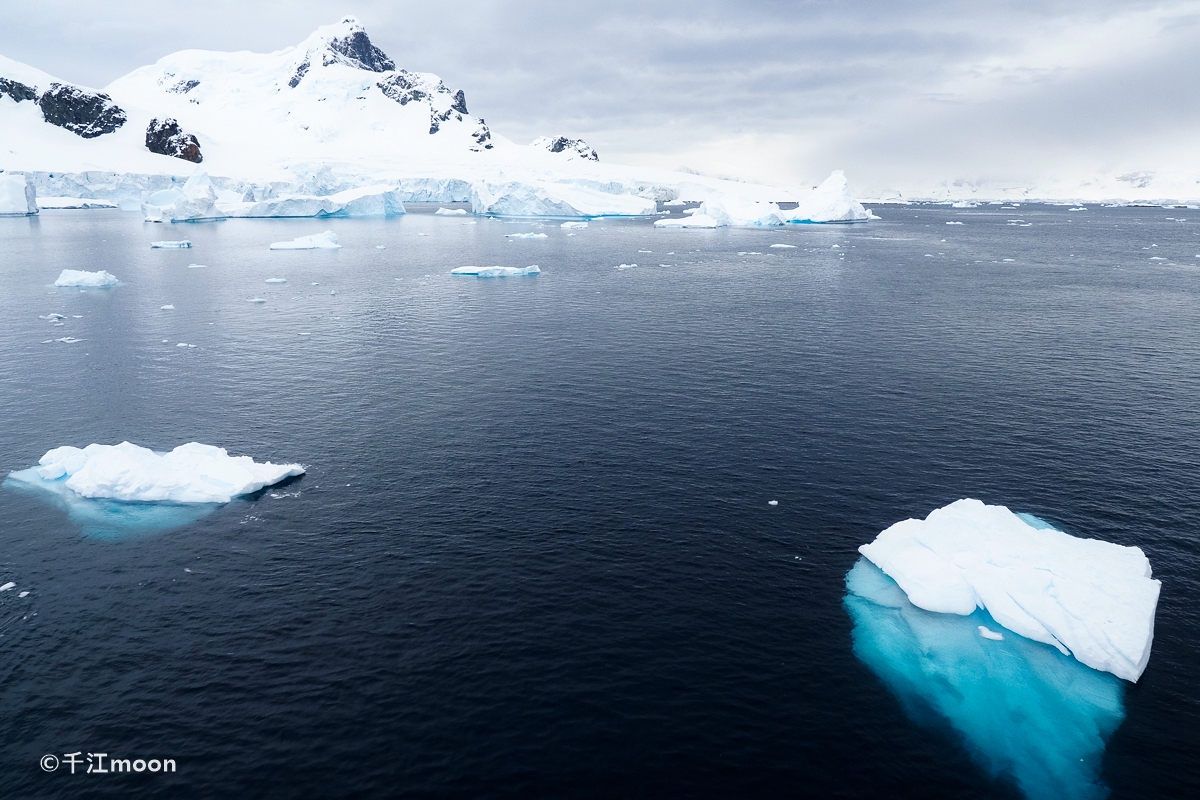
<point>450,212</point>
<point>191,473</point>
<point>495,272</point>
<point>1088,598</point>
<point>784,246</point>
<point>317,241</point>
<point>183,243</point>
<point>18,198</point>
<point>368,201</point>
<point>275,280</point>
<point>195,201</point>
<point>729,210</point>
<point>573,224</point>
<point>524,236</point>
<point>86,280</point>
<point>61,203</point>
<point>554,199</point>
<point>1023,709</point>
<point>830,202</point>
<point>694,221</point>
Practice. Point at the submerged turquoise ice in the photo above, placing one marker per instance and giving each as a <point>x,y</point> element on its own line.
<point>108,519</point>
<point>1025,711</point>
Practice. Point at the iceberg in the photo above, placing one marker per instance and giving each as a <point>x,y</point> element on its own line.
<point>573,225</point>
<point>495,272</point>
<point>183,243</point>
<point>317,241</point>
<point>367,201</point>
<point>1023,710</point>
<point>451,212</point>
<point>62,203</point>
<point>195,201</point>
<point>829,202</point>
<point>524,236</point>
<point>554,199</point>
<point>729,210</point>
<point>86,280</point>
<point>1090,599</point>
<point>694,221</point>
<point>18,198</point>
<point>191,473</point>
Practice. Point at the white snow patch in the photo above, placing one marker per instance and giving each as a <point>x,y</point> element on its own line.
<point>1090,599</point>
<point>191,473</point>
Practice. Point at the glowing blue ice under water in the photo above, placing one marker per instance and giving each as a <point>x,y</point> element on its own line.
<point>1024,710</point>
<point>108,519</point>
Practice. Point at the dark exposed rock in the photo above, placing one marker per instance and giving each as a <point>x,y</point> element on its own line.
<point>299,76</point>
<point>17,91</point>
<point>166,138</point>
<point>183,87</point>
<point>403,87</point>
<point>356,50</point>
<point>564,145</point>
<point>460,102</point>
<point>482,137</point>
<point>83,112</point>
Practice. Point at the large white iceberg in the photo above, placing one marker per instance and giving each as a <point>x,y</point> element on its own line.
<point>495,272</point>
<point>317,241</point>
<point>829,202</point>
<point>191,473</point>
<point>18,198</point>
<point>1024,710</point>
<point>554,199</point>
<point>693,221</point>
<point>195,201</point>
<point>86,280</point>
<point>367,201</point>
<point>738,211</point>
<point>1091,599</point>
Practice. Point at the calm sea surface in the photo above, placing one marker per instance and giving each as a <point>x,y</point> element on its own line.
<point>533,555</point>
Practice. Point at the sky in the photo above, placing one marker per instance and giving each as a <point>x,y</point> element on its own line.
<point>904,96</point>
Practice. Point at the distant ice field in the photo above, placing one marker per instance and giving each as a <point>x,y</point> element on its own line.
<point>535,552</point>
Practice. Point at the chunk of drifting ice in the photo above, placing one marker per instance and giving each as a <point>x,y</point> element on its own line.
<point>22,594</point>
<point>191,473</point>
<point>495,272</point>
<point>573,225</point>
<point>954,223</point>
<point>68,340</point>
<point>317,241</point>
<point>524,236</point>
<point>53,316</point>
<point>738,211</point>
<point>197,266</point>
<point>275,280</point>
<point>182,243</point>
<point>6,587</point>
<point>829,202</point>
<point>89,280</point>
<point>781,246</point>
<point>1024,709</point>
<point>988,633</point>
<point>1091,599</point>
<point>450,212</point>
<point>694,221</point>
<point>166,308</point>
<point>256,300</point>
<point>626,266</point>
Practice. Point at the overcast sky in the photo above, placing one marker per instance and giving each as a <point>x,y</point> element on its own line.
<point>896,93</point>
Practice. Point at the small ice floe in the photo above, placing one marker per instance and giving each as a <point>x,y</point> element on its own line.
<point>781,246</point>
<point>835,247</point>
<point>645,251</point>
<point>524,236</point>
<point>23,594</point>
<point>988,633</point>
<point>495,272</point>
<point>317,241</point>
<point>954,223</point>
<point>275,280</point>
<point>256,300</point>
<point>167,307</point>
<point>54,316</point>
<point>8,587</point>
<point>1157,258</point>
<point>183,243</point>
<point>472,222</point>
<point>197,266</point>
<point>89,280</point>
<point>626,266</point>
<point>1081,208</point>
<point>422,234</point>
<point>772,502</point>
<point>573,224</point>
<point>306,333</point>
<point>450,212</point>
<point>666,265</point>
<point>381,247</point>
<point>182,344</point>
<point>68,340</point>
<point>333,291</point>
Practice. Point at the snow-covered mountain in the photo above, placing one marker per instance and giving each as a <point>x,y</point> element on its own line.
<point>330,115</point>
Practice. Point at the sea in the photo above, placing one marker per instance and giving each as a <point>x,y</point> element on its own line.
<point>587,533</point>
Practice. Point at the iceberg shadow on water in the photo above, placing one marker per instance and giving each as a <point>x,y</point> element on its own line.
<point>107,519</point>
<point>1025,712</point>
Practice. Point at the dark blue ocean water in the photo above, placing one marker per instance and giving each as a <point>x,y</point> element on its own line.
<point>533,554</point>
